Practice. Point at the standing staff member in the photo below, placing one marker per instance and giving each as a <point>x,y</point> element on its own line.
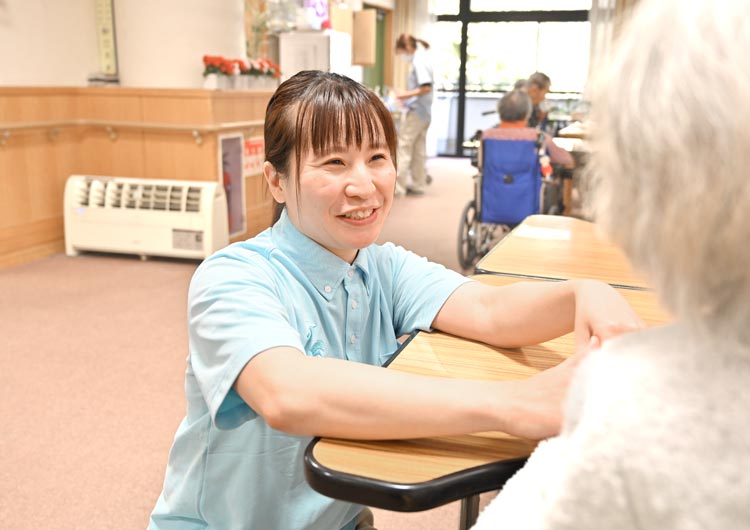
<point>537,87</point>
<point>412,132</point>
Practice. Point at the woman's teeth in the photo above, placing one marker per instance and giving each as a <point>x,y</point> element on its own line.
<point>360,214</point>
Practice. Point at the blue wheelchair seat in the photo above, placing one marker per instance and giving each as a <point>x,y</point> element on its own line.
<point>511,181</point>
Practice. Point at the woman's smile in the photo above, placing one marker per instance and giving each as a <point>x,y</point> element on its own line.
<point>359,215</point>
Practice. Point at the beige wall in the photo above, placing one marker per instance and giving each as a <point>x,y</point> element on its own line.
<point>160,43</point>
<point>45,43</point>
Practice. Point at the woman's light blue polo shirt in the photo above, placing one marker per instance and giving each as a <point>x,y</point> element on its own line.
<point>228,470</point>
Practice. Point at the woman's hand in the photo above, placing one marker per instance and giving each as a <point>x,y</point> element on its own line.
<point>601,312</point>
<point>536,403</point>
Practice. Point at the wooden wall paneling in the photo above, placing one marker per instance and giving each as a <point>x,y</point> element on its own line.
<point>15,199</point>
<point>41,178</point>
<point>35,164</point>
<point>66,153</point>
<point>33,105</point>
<point>193,107</point>
<point>55,107</point>
<point>241,106</point>
<point>31,172</point>
<point>101,155</point>
<point>6,104</point>
<point>113,106</point>
<point>30,241</point>
<point>29,235</point>
<point>177,156</point>
<point>259,205</point>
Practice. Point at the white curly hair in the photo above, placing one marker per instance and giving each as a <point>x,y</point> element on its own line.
<point>670,156</point>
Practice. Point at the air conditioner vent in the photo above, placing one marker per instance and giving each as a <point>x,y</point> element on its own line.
<point>193,202</point>
<point>96,193</point>
<point>175,199</point>
<point>161,196</point>
<point>131,195</point>
<point>179,218</point>
<point>113,194</point>
<point>147,197</point>
<point>82,192</point>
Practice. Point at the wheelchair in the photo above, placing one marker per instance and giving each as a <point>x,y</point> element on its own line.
<point>508,187</point>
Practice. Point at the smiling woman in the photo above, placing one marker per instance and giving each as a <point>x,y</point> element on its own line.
<point>288,330</point>
<point>345,154</point>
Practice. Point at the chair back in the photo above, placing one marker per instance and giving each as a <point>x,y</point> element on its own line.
<point>511,181</point>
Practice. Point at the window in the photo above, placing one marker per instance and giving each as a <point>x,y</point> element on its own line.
<point>505,40</point>
<point>530,5</point>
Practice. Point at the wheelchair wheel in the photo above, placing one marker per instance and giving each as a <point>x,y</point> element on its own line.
<point>467,234</point>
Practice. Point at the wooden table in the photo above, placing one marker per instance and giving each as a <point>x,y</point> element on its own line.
<point>420,474</point>
<point>562,248</point>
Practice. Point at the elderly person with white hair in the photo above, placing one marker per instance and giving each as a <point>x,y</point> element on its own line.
<point>656,433</point>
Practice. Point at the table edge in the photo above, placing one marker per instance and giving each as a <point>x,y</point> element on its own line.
<point>403,497</point>
<point>406,497</point>
<point>478,271</point>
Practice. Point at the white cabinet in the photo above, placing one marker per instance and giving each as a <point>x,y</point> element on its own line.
<point>328,50</point>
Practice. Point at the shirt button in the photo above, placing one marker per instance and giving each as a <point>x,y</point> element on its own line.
<point>350,273</point>
<point>327,288</point>
<point>353,339</point>
<point>354,304</point>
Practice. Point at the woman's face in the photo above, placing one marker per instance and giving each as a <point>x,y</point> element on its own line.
<point>407,52</point>
<point>343,196</point>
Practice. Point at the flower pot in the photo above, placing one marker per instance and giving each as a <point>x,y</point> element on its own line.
<point>270,82</point>
<point>211,81</point>
<point>254,82</point>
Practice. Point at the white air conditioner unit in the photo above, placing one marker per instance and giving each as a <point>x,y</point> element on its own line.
<point>148,217</point>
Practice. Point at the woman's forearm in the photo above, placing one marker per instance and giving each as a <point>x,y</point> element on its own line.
<point>335,398</point>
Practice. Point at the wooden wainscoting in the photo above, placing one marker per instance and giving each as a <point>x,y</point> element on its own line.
<point>110,131</point>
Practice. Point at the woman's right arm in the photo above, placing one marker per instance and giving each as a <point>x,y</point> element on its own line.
<point>315,396</point>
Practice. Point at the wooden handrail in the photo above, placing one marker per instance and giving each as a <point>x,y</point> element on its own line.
<point>6,129</point>
<point>131,125</point>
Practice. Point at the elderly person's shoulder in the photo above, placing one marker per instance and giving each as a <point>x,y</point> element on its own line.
<point>510,133</point>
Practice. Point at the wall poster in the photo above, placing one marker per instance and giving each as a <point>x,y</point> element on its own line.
<point>255,155</point>
<point>231,173</point>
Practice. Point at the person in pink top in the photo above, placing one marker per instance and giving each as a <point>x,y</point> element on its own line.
<point>514,109</point>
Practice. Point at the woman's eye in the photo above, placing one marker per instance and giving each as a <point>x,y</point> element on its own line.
<point>379,156</point>
<point>335,161</point>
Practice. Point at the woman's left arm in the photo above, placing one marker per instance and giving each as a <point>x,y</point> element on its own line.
<point>526,313</point>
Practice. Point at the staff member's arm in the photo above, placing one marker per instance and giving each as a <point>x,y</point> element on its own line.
<point>532,312</point>
<point>335,398</point>
<point>419,91</point>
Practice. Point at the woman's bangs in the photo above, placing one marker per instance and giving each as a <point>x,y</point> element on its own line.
<point>333,124</point>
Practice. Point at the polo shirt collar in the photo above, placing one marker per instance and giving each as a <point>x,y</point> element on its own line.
<point>323,269</point>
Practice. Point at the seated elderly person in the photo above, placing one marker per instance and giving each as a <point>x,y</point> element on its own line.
<point>656,433</point>
<point>514,109</point>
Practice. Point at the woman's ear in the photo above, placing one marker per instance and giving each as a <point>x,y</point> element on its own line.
<point>275,183</point>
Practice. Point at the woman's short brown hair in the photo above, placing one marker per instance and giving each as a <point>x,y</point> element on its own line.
<point>324,111</point>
